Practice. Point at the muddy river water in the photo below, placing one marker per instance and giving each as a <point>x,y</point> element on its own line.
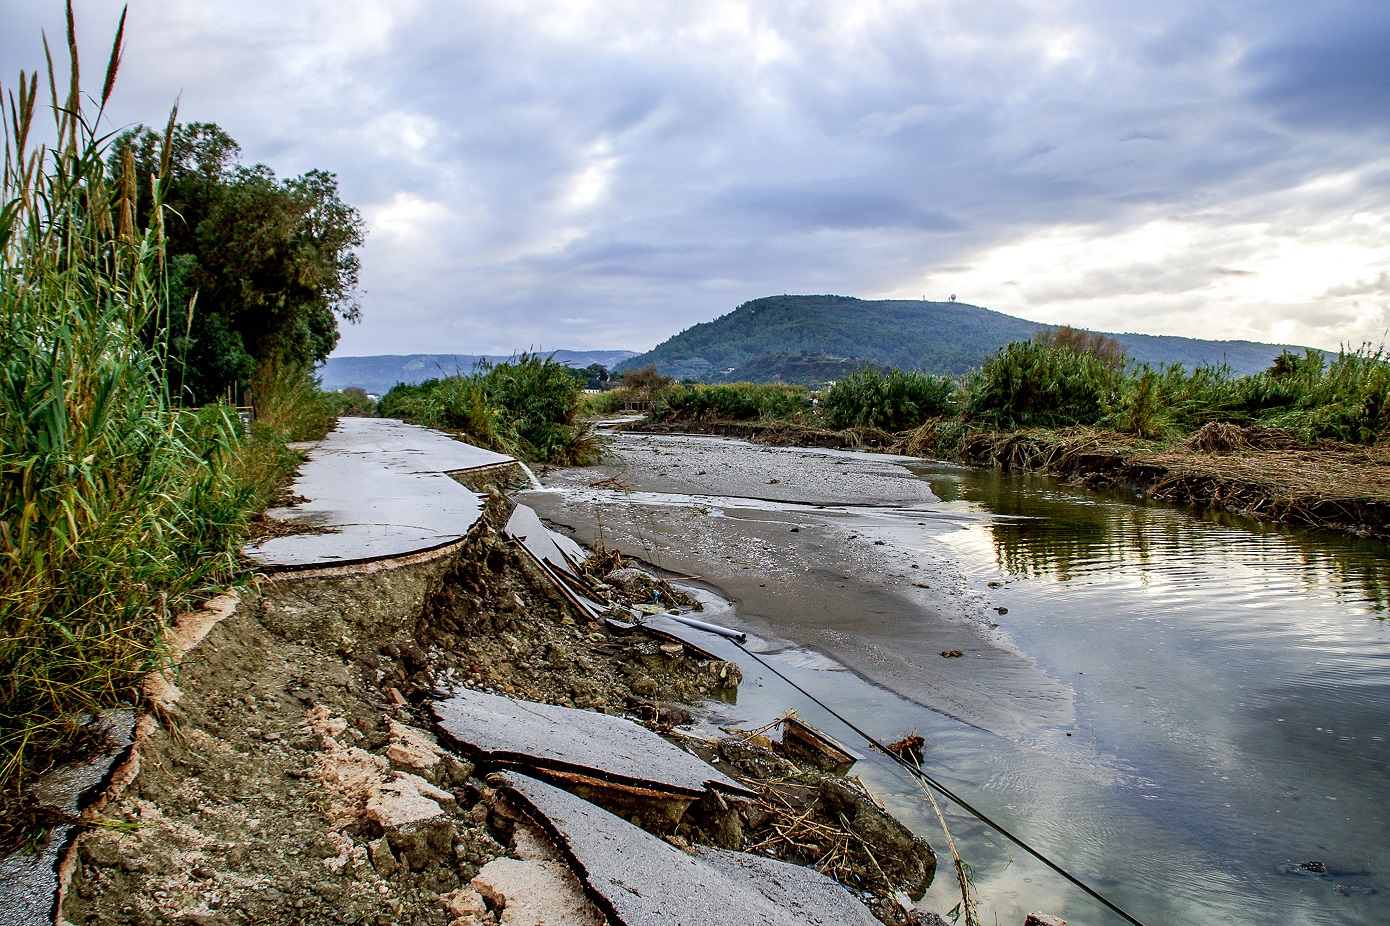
<point>1183,710</point>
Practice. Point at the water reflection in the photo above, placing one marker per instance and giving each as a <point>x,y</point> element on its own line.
<point>1046,529</point>
<point>1239,670</point>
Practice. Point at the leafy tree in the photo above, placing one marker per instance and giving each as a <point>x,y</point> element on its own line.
<point>261,269</point>
<point>646,384</point>
<point>596,376</point>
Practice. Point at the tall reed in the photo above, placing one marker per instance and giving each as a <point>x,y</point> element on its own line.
<point>114,508</point>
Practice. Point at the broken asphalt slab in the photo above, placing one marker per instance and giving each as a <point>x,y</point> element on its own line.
<point>553,741</point>
<point>29,881</point>
<point>638,879</point>
<point>557,555</point>
<point>381,489</point>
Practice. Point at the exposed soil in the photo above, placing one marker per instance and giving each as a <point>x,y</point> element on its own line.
<point>293,782</point>
<point>289,778</point>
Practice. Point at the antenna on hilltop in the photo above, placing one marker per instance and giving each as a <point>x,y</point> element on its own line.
<point>953,297</point>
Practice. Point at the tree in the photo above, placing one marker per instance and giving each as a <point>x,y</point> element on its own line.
<point>260,270</point>
<point>646,384</point>
<point>1105,349</point>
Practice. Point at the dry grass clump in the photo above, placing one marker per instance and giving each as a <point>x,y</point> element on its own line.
<point>1219,437</point>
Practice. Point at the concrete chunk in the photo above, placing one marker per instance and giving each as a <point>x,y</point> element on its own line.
<point>545,738</point>
<point>638,879</point>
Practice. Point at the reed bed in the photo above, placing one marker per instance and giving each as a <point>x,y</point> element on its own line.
<point>732,402</point>
<point>116,508</point>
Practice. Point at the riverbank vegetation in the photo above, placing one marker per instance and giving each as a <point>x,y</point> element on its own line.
<point>121,501</point>
<point>1306,440</point>
<point>1051,382</point>
<point>527,407</point>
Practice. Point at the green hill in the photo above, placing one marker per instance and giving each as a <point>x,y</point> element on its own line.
<point>937,337</point>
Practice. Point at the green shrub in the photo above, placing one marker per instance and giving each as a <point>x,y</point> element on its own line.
<point>895,401</point>
<point>352,402</point>
<point>732,402</point>
<point>1029,384</point>
<point>527,407</point>
<point>290,402</point>
<point>601,403</point>
<point>1347,400</point>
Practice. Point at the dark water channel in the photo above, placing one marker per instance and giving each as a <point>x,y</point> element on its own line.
<point>1232,686</point>
<point>1231,689</point>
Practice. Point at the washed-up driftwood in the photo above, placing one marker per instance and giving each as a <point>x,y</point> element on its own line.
<point>802,742</point>
<point>637,879</point>
<point>609,760</point>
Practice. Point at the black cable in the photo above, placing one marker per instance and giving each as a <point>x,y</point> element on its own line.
<point>917,771</point>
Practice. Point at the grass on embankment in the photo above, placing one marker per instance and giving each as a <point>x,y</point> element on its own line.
<point>117,509</point>
<point>1304,442</point>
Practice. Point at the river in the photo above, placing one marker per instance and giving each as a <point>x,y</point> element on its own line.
<point>1179,708</point>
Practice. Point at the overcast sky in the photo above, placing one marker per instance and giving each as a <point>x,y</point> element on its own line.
<point>603,174</point>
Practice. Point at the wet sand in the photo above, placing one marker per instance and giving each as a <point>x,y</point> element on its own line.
<point>845,553</point>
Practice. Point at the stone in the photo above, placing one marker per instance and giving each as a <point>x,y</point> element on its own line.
<point>464,902</point>
<point>1043,919</point>
<point>405,800</point>
<point>414,749</point>
<point>420,844</point>
<point>382,859</point>
<point>531,893</point>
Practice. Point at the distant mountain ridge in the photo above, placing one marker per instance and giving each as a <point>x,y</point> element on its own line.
<point>378,373</point>
<point>936,337</point>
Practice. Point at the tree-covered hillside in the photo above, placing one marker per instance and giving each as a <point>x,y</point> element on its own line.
<point>937,337</point>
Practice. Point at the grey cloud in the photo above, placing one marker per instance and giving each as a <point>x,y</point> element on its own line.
<point>782,150</point>
<point>1326,66</point>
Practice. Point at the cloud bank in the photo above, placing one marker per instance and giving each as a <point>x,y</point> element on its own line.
<point>601,175</point>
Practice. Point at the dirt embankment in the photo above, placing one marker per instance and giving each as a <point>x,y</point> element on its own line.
<point>1260,472</point>
<point>289,773</point>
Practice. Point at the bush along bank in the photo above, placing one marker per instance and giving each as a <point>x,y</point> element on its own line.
<point>527,407</point>
<point>1305,442</point>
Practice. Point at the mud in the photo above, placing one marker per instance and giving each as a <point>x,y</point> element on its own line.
<point>1264,473</point>
<point>871,583</point>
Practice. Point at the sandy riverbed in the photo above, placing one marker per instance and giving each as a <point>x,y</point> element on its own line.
<point>849,554</point>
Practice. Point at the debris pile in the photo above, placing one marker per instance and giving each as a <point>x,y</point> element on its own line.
<point>809,812</point>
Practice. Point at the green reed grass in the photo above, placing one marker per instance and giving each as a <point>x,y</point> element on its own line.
<point>892,401</point>
<point>115,508</point>
<point>732,402</point>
